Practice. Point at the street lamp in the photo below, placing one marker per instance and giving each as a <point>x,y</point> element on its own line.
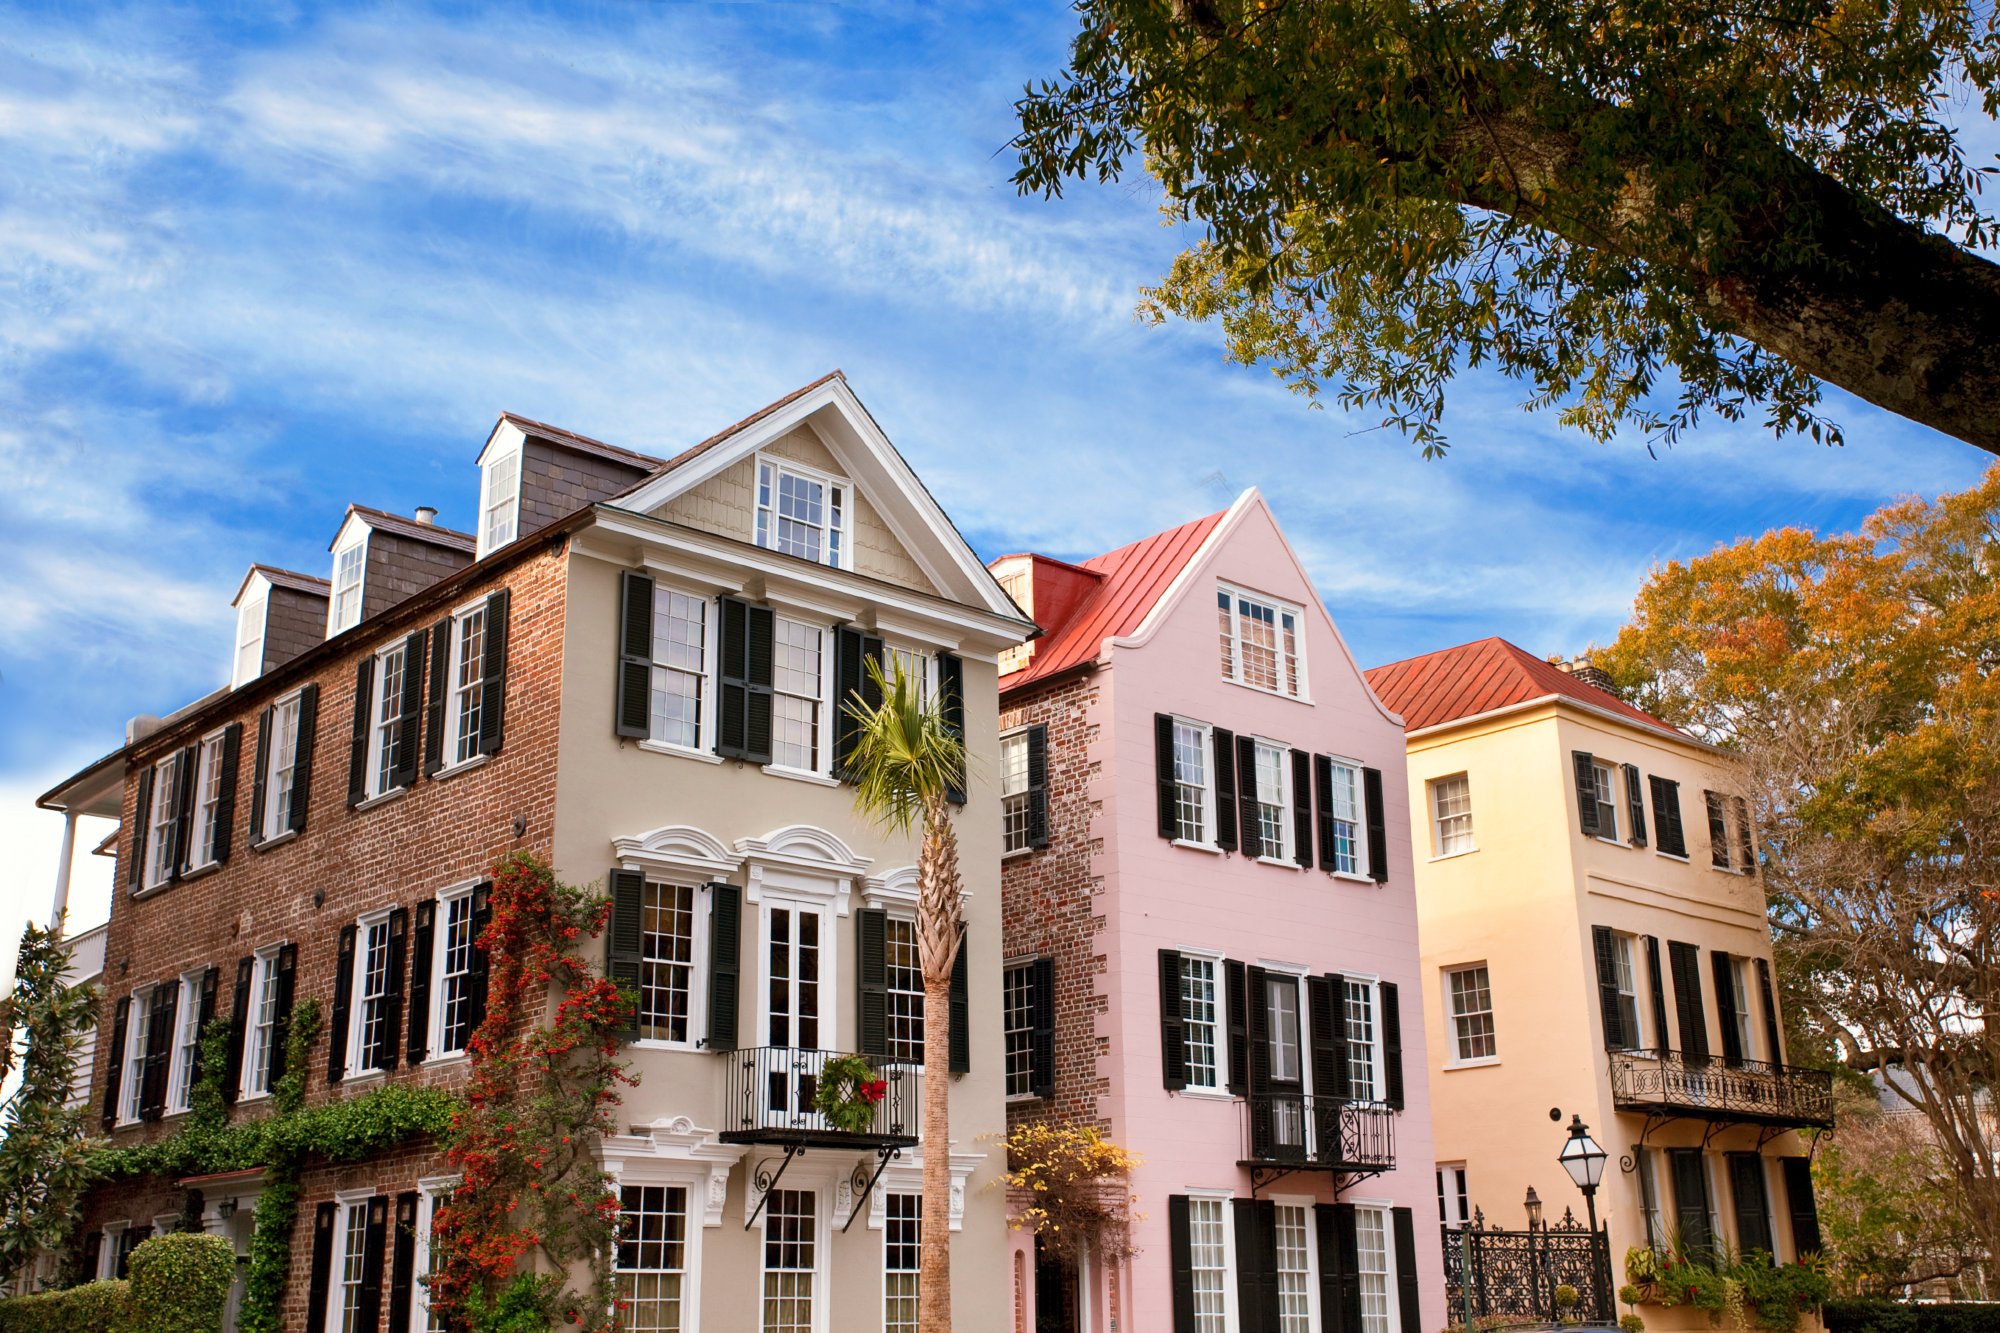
<point>1534,1205</point>
<point>1584,1160</point>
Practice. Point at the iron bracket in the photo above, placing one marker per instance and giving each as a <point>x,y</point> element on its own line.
<point>863,1181</point>
<point>766,1180</point>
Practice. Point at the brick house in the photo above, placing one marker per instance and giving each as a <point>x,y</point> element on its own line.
<point>630,669</point>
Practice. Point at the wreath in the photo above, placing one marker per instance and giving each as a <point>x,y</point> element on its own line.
<point>848,1093</point>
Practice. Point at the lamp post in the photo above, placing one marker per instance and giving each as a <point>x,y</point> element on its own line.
<point>1534,1206</point>
<point>1584,1160</point>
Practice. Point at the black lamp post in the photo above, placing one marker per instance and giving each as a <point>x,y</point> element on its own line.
<point>1584,1160</point>
<point>1533,1204</point>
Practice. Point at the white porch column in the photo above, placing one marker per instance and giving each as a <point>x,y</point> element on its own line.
<point>62,872</point>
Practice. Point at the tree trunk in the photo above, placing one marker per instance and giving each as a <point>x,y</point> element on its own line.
<point>934,1252</point>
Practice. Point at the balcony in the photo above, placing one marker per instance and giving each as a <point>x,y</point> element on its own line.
<point>1286,1132</point>
<point>1708,1087</point>
<point>768,1094</point>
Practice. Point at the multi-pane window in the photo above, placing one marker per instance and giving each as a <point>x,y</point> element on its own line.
<point>906,991</point>
<point>652,1257</point>
<point>1272,807</point>
<point>1739,985</point>
<point>1361,1043</point>
<point>1469,992</point>
<point>1017,1021</point>
<point>371,995</point>
<point>138,1031</point>
<point>1294,1264</point>
<point>801,515</point>
<point>1014,792</point>
<point>1260,642</point>
<point>454,980</point>
<point>263,1025</point>
<point>468,684</point>
<point>901,1236</point>
<point>666,965</point>
<point>353,1266</point>
<point>1191,787</point>
<point>1628,988</point>
<point>1281,1019</point>
<point>1372,1232</point>
<point>385,731</point>
<point>160,825</point>
<point>1344,799</point>
<point>790,1260</point>
<point>187,1039</point>
<point>347,567</point>
<point>503,489</point>
<point>250,640</point>
<point>796,688</point>
<point>284,752</point>
<point>1454,1198</point>
<point>207,800</point>
<point>1208,1252</point>
<point>1451,815</point>
<point>1202,1015</point>
<point>1604,780</point>
<point>680,667</point>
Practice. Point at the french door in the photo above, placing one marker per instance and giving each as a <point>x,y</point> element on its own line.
<point>795,1028</point>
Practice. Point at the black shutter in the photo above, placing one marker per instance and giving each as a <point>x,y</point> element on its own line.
<point>1405,1226</point>
<point>1257,1012</point>
<point>163,1005</point>
<point>1776,1053</point>
<point>434,696</point>
<point>634,713</point>
<point>1339,1267</point>
<point>1725,1007</point>
<point>1336,989</point>
<point>343,996</point>
<point>1166,790</point>
<point>285,975</point>
<point>409,713</point>
<point>1753,1205</point>
<point>93,1255</point>
<point>725,929</point>
<point>1236,1003</point>
<point>1657,980</point>
<point>851,685</point>
<point>493,682</point>
<point>1586,792</point>
<point>302,761</point>
<point>1667,829</point>
<point>1392,1044</point>
<point>1038,786</point>
<point>183,808</point>
<point>1180,1249</point>
<point>369,1309</point>
<point>871,976</point>
<point>403,1262</point>
<point>1746,845</point>
<point>1323,808</point>
<point>1378,825</point>
<point>325,1217</point>
<point>1718,831</point>
<point>357,753</point>
<point>482,962</point>
<point>1635,800</point>
<point>1693,1019</point>
<point>733,684</point>
<point>1327,1034</point>
<point>224,827</point>
<point>211,982</point>
<point>1173,1022</point>
<point>958,1010</point>
<point>1250,824</point>
<point>142,818</point>
<point>1256,1265</point>
<point>260,776</point>
<point>239,1029</point>
<point>1608,1007</point>
<point>1042,1041</point>
<point>1691,1201</point>
<point>625,942</point>
<point>1302,808</point>
<point>389,1038</point>
<point>1803,1208</point>
<point>1222,748</point>
<point>423,940</point>
<point>114,1074</point>
<point>951,701</point>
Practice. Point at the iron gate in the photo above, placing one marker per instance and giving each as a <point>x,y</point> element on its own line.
<point>1490,1273</point>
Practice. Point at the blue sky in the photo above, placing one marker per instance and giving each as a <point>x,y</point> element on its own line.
<point>258,263</point>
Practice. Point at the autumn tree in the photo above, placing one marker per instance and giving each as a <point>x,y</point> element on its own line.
<point>1643,210</point>
<point>1856,678</point>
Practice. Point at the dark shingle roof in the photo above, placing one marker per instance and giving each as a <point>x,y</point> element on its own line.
<point>409,527</point>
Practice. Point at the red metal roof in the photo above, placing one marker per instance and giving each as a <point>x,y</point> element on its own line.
<point>1480,677</point>
<point>1131,579</point>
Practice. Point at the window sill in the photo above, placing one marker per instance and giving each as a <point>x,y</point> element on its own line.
<point>800,775</point>
<point>1485,1062</point>
<point>252,1098</point>
<point>1349,877</point>
<point>462,766</point>
<point>383,798</point>
<point>1452,856</point>
<point>364,1079</point>
<point>269,843</point>
<point>661,1044</point>
<point>1208,847</point>
<point>1017,853</point>
<point>451,1061</point>
<point>661,747</point>
<point>1305,699</point>
<point>196,872</point>
<point>151,890</point>
<point>1208,1094</point>
<point>1611,842</point>
<point>1022,1098</point>
<point>1671,857</point>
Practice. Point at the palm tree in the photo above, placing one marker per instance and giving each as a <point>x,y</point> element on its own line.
<point>904,761</point>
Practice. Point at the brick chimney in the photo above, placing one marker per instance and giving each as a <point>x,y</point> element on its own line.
<point>1581,668</point>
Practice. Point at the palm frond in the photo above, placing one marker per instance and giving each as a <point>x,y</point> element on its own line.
<point>905,758</point>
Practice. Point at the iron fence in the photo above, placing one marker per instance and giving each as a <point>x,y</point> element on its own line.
<point>1491,1273</point>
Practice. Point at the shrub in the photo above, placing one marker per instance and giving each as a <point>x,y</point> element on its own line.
<point>1876,1316</point>
<point>95,1307</point>
<point>1631,1323</point>
<point>180,1283</point>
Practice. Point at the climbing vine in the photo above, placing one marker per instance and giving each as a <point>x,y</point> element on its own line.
<point>541,1097</point>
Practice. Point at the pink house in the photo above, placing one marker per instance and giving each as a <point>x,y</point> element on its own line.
<point>1211,940</point>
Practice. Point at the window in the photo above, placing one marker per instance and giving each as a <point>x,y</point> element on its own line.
<point>918,666</point>
<point>1260,643</point>
<point>348,564</point>
<point>1371,1229</point>
<point>1202,1014</point>
<point>187,1040</point>
<point>1017,587</point>
<point>1605,779</point>
<point>1344,798</point>
<point>1017,994</point>
<point>1194,811</point>
<point>1362,1083</point>
<point>263,1024</point>
<point>1739,985</point>
<point>207,800</point>
<point>1281,1020</point>
<point>350,1266</point>
<point>1469,999</point>
<point>466,704</point>
<point>901,1236</point>
<point>790,1260</point>
<point>797,685</point>
<point>160,850</point>
<point>385,722</point>
<point>431,1193</point>
<point>652,1256</point>
<point>1730,844</point>
<point>906,991</point>
<point>1628,988</point>
<point>801,514</point>
<point>503,491</point>
<point>371,996</point>
<point>1014,792</point>
<point>453,989</point>
<point>1209,1251</point>
<point>1294,1264</point>
<point>1272,808</point>
<point>138,1032</point>
<point>1454,1198</point>
<point>666,965</point>
<point>1451,815</point>
<point>680,667</point>
<point>284,753</point>
<point>250,641</point>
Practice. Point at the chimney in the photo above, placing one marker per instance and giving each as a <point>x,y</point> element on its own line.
<point>1581,668</point>
<point>426,515</point>
<point>141,727</point>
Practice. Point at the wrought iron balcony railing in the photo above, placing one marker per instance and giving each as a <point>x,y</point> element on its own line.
<point>1323,1133</point>
<point>769,1094</point>
<point>1708,1087</point>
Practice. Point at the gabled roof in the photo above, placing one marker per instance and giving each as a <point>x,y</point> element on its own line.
<point>1482,677</point>
<point>284,578</point>
<point>1132,579</point>
<point>583,444</point>
<point>449,538</point>
<point>693,452</point>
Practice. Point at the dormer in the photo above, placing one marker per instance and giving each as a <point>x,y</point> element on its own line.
<point>531,474</point>
<point>279,614</point>
<point>381,558</point>
<point>1049,592</point>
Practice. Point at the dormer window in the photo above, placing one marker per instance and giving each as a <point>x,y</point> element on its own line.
<point>249,641</point>
<point>349,564</point>
<point>802,513</point>
<point>500,502</point>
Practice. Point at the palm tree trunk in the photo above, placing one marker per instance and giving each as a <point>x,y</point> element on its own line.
<point>934,1254</point>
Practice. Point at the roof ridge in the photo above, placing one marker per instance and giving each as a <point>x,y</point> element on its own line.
<point>403,520</point>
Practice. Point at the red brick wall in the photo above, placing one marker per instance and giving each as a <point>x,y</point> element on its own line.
<point>1048,900</point>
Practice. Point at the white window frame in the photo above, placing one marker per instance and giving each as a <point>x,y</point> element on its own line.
<point>207,773</point>
<point>830,979</point>
<point>253,614</point>
<point>1279,609</point>
<point>440,959</point>
<point>429,1192</point>
<point>697,1022</point>
<point>823,719</point>
<point>691,1226</point>
<point>1609,784</point>
<point>379,719</point>
<point>1357,785</point>
<point>357,994</point>
<point>258,1035</point>
<point>454,692</point>
<point>1455,1059</point>
<point>491,535</point>
<point>764,509</point>
<point>704,731</point>
<point>107,1253</point>
<point>1017,975</point>
<point>132,1071</point>
<point>336,1287</point>
<point>160,824</point>
<point>1440,839</point>
<point>1222,1199</point>
<point>187,1024</point>
<point>886,1222</point>
<point>1746,1028</point>
<point>1206,745</point>
<point>1014,798</point>
<point>822,1270</point>
<point>1378,1075</point>
<point>281,754</point>
<point>1454,1196</point>
<point>1219,1041</point>
<point>1259,748</point>
<point>1391,1302</point>
<point>339,617</point>
<point>1305,1204</point>
<point>909,919</point>
<point>1625,966</point>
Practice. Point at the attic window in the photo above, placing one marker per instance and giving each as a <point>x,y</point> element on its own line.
<point>249,641</point>
<point>348,565</point>
<point>802,513</point>
<point>501,503</point>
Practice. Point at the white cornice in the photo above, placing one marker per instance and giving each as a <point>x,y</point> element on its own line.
<point>679,846</point>
<point>1597,711</point>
